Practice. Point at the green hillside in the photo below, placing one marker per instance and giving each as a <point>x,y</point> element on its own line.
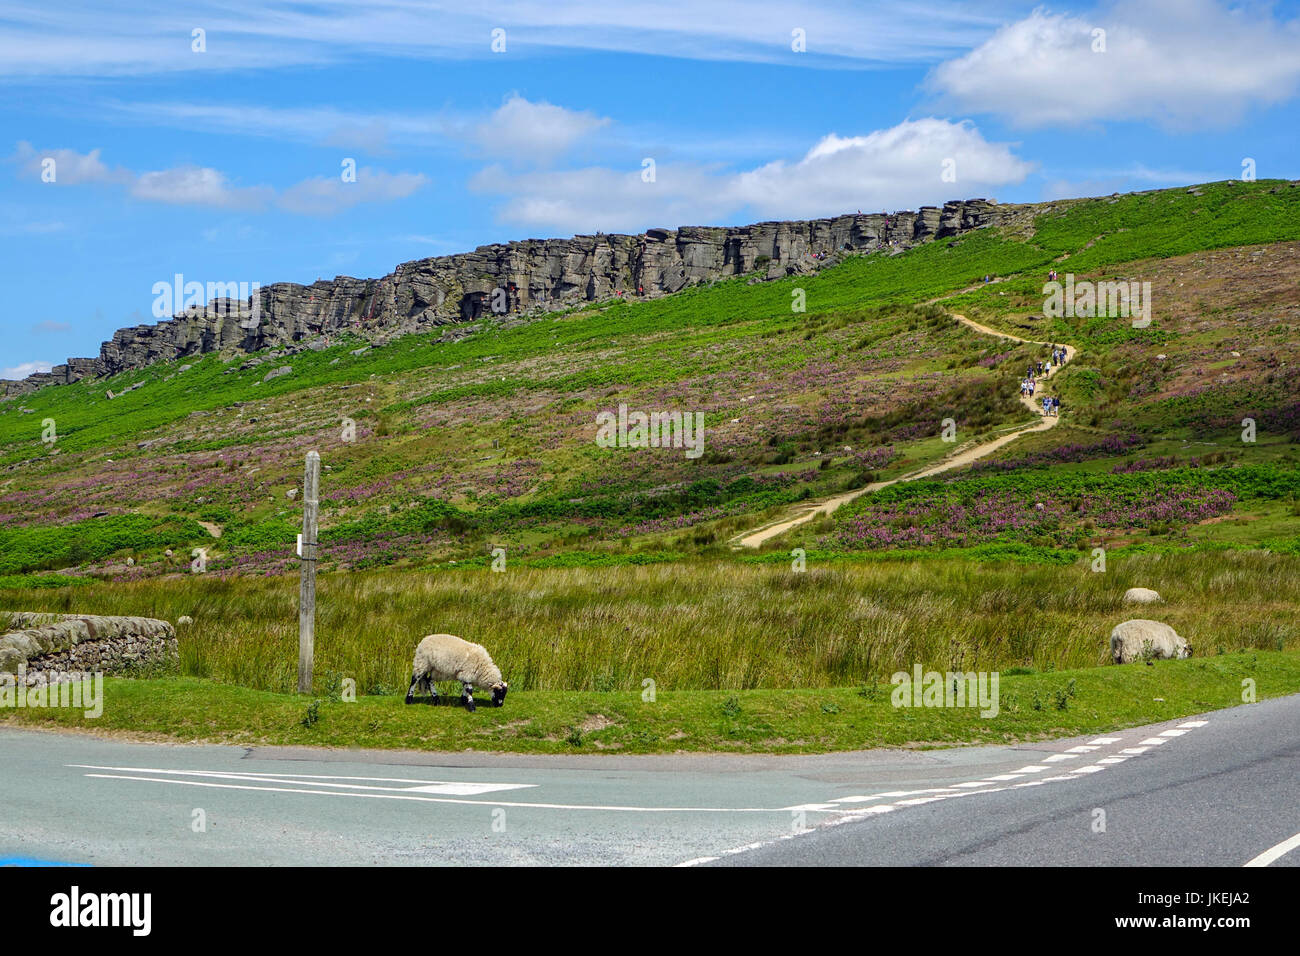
<point>461,447</point>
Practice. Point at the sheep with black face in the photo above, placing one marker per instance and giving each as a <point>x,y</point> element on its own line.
<point>445,657</point>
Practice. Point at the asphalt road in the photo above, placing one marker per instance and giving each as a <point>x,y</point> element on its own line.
<point>1221,789</point>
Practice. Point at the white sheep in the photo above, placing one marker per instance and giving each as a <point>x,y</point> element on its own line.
<point>1132,640</point>
<point>446,657</point>
<point>1142,596</point>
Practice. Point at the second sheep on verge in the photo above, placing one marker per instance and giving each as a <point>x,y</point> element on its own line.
<point>447,657</point>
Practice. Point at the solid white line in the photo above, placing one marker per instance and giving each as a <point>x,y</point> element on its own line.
<point>1275,852</point>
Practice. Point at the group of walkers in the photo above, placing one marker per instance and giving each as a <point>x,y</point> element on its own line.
<point>1036,370</point>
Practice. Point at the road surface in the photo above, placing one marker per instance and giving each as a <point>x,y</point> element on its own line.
<point>1221,789</point>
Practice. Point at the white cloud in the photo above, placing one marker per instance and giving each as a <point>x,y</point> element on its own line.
<point>205,186</point>
<point>326,195</point>
<point>197,186</point>
<point>900,167</point>
<point>68,166</point>
<point>1183,63</point>
<point>889,169</point>
<point>49,325</point>
<point>17,372</point>
<point>534,132</point>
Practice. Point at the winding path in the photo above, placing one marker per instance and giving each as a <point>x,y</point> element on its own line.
<point>963,455</point>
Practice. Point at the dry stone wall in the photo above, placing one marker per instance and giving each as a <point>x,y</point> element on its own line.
<point>43,645</point>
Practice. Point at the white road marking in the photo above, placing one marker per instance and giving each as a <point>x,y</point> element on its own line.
<point>1174,732</point>
<point>1275,852</point>
<point>440,787</point>
<point>1194,723</point>
<point>1083,749</point>
<point>1054,758</point>
<point>211,779</point>
<point>1031,769</point>
<point>1107,740</point>
<point>1135,750</point>
<point>1152,741</point>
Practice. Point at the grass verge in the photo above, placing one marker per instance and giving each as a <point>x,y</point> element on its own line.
<point>1033,706</point>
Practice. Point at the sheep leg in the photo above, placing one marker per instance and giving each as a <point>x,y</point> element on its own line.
<point>410,691</point>
<point>468,698</point>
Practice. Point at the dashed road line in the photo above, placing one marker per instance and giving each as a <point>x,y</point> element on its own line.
<point>851,813</point>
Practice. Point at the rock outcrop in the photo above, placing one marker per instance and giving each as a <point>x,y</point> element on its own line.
<point>528,276</point>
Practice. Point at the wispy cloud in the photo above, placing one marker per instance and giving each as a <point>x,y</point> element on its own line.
<point>324,196</point>
<point>89,38</point>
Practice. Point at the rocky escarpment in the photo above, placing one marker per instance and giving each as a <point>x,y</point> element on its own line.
<point>532,275</point>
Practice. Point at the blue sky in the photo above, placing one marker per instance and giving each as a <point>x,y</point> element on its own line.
<point>221,156</point>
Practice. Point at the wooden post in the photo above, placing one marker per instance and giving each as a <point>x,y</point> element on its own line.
<point>307,591</point>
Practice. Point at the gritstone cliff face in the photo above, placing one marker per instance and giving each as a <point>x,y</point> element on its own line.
<point>533,275</point>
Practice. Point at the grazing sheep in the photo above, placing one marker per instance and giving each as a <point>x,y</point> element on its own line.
<point>446,657</point>
<point>1132,640</point>
<point>1142,596</point>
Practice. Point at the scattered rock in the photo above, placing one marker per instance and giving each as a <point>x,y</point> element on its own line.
<point>278,373</point>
